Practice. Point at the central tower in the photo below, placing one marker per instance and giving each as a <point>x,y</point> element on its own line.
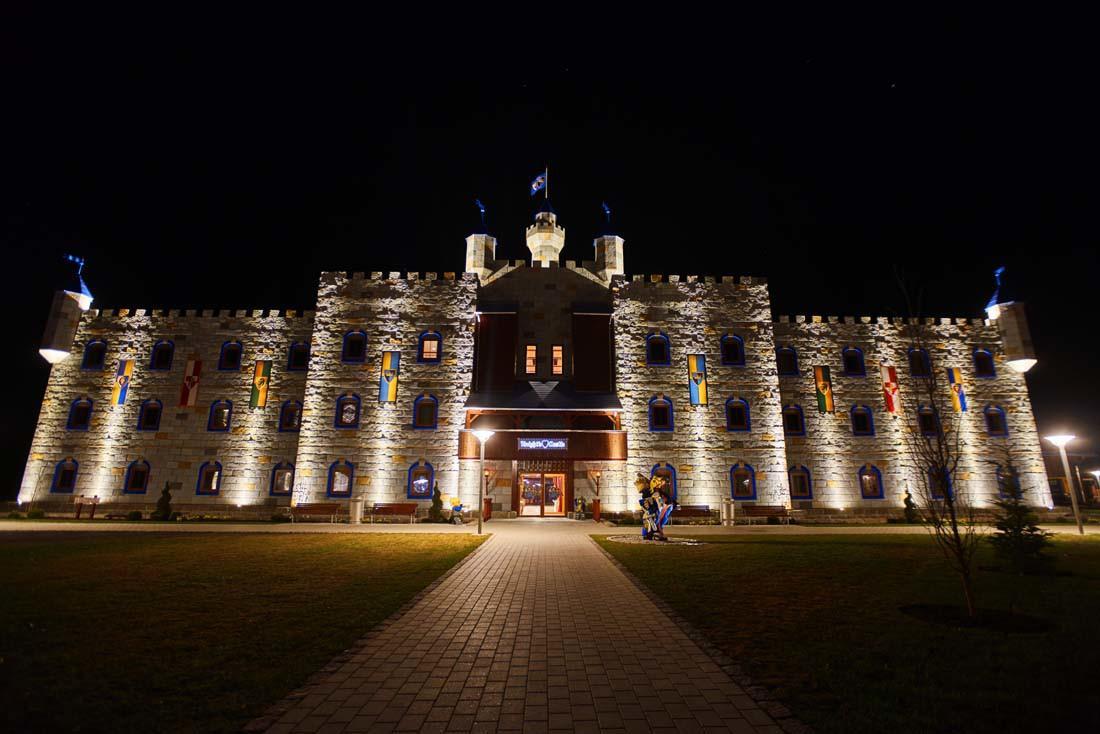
<point>545,239</point>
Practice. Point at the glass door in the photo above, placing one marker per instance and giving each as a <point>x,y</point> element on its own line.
<point>541,495</point>
<point>530,495</point>
<point>553,495</point>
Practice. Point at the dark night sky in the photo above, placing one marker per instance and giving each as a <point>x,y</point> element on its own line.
<point>202,164</point>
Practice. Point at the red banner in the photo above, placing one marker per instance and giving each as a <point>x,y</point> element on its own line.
<point>189,392</point>
<point>890,392</point>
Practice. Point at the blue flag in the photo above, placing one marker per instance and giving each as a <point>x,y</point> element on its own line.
<point>538,184</point>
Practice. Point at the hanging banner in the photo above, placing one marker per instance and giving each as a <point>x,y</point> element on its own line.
<point>261,378</point>
<point>189,391</point>
<point>958,393</point>
<point>890,389</point>
<point>387,383</point>
<point>824,385</point>
<point>122,381</point>
<point>697,378</point>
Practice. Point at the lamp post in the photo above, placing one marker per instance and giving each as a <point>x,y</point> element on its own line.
<point>482,437</point>
<point>1060,441</point>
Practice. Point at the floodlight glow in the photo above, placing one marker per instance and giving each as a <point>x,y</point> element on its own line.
<point>53,356</point>
<point>1021,365</point>
<point>483,435</point>
<point>1061,439</point>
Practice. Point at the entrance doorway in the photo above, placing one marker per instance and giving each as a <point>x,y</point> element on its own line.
<point>541,494</point>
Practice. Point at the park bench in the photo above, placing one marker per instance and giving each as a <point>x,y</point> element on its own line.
<point>81,501</point>
<point>394,509</point>
<point>685,511</point>
<point>331,510</point>
<point>753,512</point>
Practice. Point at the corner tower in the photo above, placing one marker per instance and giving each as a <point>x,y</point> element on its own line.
<point>545,239</point>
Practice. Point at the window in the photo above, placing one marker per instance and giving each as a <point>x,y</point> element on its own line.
<point>221,415</point>
<point>919,363</point>
<point>786,361</point>
<point>230,357</point>
<point>282,480</point>
<point>802,487</point>
<point>737,415</point>
<point>996,423</point>
<point>95,355</point>
<point>794,423</point>
<point>149,415</point>
<point>557,359</point>
<point>658,350</point>
<point>161,358</point>
<point>430,347</point>
<point>64,476</point>
<point>928,422</point>
<point>667,472</point>
<point>137,478</point>
<point>852,358</point>
<point>870,482</point>
<point>340,476</point>
<point>297,357</point>
<point>660,414</point>
<point>983,364</point>
<point>425,412</point>
<point>1008,483</point>
<point>210,478</point>
<point>938,480</point>
<point>347,411</point>
<point>733,350</point>
<point>355,347</point>
<point>742,482</point>
<point>863,421</point>
<point>80,415</point>
<point>290,416</point>
<point>420,481</point>
<point>531,360</point>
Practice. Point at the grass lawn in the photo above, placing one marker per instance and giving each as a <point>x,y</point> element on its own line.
<point>816,618</point>
<point>136,632</point>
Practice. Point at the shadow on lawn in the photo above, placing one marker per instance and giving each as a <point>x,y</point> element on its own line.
<point>992,620</point>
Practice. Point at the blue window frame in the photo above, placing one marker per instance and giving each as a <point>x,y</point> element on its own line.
<point>429,348</point>
<point>1008,482</point>
<point>425,412</point>
<point>209,481</point>
<point>229,359</point>
<point>341,475</point>
<point>742,482</point>
<point>420,481</point>
<point>938,479</point>
<point>347,411</point>
<point>160,358</point>
<point>297,357</point>
<point>738,419</point>
<point>851,359</point>
<point>662,418</point>
<point>221,416</point>
<point>290,417</point>
<point>794,422</point>
<point>863,420</point>
<point>802,485</point>
<point>920,364</point>
<point>64,476</point>
<point>149,415</point>
<point>733,350</point>
<point>282,480</point>
<point>786,361</point>
<point>984,366</point>
<point>80,415</point>
<point>658,350</point>
<point>137,477</point>
<point>870,482</point>
<point>996,421</point>
<point>95,355</point>
<point>928,421</point>
<point>354,350</point>
<point>668,471</point>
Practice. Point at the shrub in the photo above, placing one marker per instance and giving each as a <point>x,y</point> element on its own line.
<point>175,516</point>
<point>435,512</point>
<point>134,515</point>
<point>772,520</point>
<point>15,516</point>
<point>164,506</point>
<point>1018,539</point>
<point>280,517</point>
<point>36,514</point>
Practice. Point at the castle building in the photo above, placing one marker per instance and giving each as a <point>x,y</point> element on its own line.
<point>587,377</point>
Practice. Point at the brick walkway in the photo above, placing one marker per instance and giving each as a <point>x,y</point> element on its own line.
<point>537,631</point>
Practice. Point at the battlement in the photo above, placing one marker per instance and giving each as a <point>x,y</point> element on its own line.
<point>191,313</point>
<point>659,279</point>
<point>883,320</point>
<point>409,277</point>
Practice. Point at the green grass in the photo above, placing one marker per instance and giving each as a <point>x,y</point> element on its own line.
<point>816,619</point>
<point>127,632</point>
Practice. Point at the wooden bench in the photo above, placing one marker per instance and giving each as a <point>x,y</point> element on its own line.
<point>752,512</point>
<point>394,509</point>
<point>332,510</point>
<point>81,501</point>
<point>691,511</point>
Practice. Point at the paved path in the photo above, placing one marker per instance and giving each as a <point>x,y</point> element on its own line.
<point>536,631</point>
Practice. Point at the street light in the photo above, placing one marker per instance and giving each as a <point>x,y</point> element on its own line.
<point>482,437</point>
<point>1060,441</point>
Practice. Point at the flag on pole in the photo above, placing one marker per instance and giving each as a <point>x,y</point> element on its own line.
<point>890,389</point>
<point>958,392</point>
<point>387,382</point>
<point>539,183</point>
<point>122,381</point>
<point>697,378</point>
<point>189,391</point>
<point>261,378</point>
<point>824,385</point>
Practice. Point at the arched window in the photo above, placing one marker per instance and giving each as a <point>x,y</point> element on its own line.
<point>668,473</point>
<point>347,411</point>
<point>210,479</point>
<point>282,480</point>
<point>80,415</point>
<point>786,361</point>
<point>429,349</point>
<point>802,486</point>
<point>355,347</point>
<point>658,350</point>
<point>742,482</point>
<point>297,357</point>
<point>737,415</point>
<point>221,416</point>
<point>95,355</point>
<point>290,416</point>
<point>64,476</point>
<point>852,358</point>
<point>794,423</point>
<point>425,412</point>
<point>149,415</point>
<point>161,356</point>
<point>230,357</point>
<point>661,418</point>
<point>870,482</point>
<point>340,477</point>
<point>1008,482</point>
<point>983,364</point>
<point>928,421</point>
<point>939,480</point>
<point>920,365</point>
<point>863,421</point>
<point>421,479</point>
<point>733,350</point>
<point>137,477</point>
<point>996,422</point>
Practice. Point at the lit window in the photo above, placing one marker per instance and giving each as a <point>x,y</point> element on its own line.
<point>425,412</point>
<point>161,358</point>
<point>221,415</point>
<point>666,472</point>
<point>210,478</point>
<point>658,350</point>
<point>733,350</point>
<point>927,421</point>
<point>531,360</point>
<point>230,357</point>
<point>430,347</point>
<point>95,355</point>
<point>996,423</point>
<point>742,482</point>
<point>347,411</point>
<point>149,415</point>
<point>794,423</point>
<point>290,416</point>
<point>557,359</point>
<point>737,415</point>
<point>870,482</point>
<point>355,347</point>
<point>802,487</point>
<point>298,357</point>
<point>421,479</point>
<point>919,363</point>
<point>660,414</point>
<point>137,478</point>
<point>64,476</point>
<point>863,421</point>
<point>80,415</point>
<point>983,363</point>
<point>282,480</point>
<point>852,358</point>
<point>340,476</point>
<point>786,361</point>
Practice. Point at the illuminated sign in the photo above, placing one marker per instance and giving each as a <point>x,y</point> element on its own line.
<point>543,444</point>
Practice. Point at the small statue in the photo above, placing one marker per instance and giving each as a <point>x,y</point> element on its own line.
<point>656,506</point>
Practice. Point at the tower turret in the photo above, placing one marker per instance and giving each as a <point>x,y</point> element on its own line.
<point>481,251</point>
<point>545,239</point>
<point>68,304</point>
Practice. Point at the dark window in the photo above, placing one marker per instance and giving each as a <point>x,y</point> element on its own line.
<point>742,482</point>
<point>64,476</point>
<point>793,421</point>
<point>340,477</point>
<point>230,357</point>
<point>927,421</point>
<point>801,485</point>
<point>658,350</point>
<point>853,362</point>
<point>425,412</point>
<point>420,480</point>
<point>919,363</point>
<point>149,416</point>
<point>282,480</point>
<point>983,363</point>
<point>996,423</point>
<point>496,351</point>
<point>786,361</point>
<point>938,481</point>
<point>430,347</point>
<point>355,347</point>
<point>863,422</point>
<point>161,358</point>
<point>210,478</point>
<point>1008,483</point>
<point>737,415</point>
<point>221,415</point>
<point>870,482</point>
<point>80,415</point>
<point>290,416</point>
<point>137,478</point>
<point>660,414</point>
<point>347,411</point>
<point>298,358</point>
<point>591,352</point>
<point>95,355</point>
<point>733,350</point>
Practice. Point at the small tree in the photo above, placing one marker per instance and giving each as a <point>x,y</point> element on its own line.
<point>164,505</point>
<point>1018,540</point>
<point>435,514</point>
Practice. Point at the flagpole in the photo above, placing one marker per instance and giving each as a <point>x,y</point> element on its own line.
<point>546,173</point>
